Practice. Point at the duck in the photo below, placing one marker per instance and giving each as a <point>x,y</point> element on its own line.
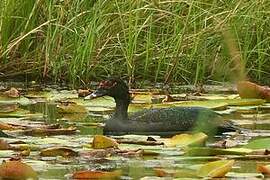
<point>159,121</point>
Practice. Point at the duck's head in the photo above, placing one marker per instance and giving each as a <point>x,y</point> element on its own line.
<point>113,87</point>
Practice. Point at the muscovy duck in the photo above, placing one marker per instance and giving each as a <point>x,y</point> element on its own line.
<point>164,121</point>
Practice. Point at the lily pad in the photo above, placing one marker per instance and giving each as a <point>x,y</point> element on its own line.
<point>245,102</point>
<point>184,140</point>
<point>263,143</point>
<point>102,142</point>
<point>236,175</point>
<point>206,151</point>
<point>20,113</point>
<point>207,104</point>
<point>17,170</point>
<point>58,151</point>
<point>215,169</point>
<point>70,107</point>
<point>97,174</point>
<point>265,169</point>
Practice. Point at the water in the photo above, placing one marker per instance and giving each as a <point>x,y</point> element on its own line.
<point>133,166</point>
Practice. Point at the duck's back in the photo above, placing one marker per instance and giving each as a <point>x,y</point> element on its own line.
<point>169,121</point>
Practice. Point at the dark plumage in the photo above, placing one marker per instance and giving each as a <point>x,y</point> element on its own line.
<point>165,121</point>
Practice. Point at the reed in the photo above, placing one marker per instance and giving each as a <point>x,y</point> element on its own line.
<point>186,42</point>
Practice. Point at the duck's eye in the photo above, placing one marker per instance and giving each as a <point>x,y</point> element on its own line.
<point>107,84</point>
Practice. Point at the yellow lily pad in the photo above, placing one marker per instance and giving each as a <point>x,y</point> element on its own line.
<point>58,151</point>
<point>215,169</point>
<point>183,140</point>
<point>244,102</point>
<point>70,107</point>
<point>102,142</point>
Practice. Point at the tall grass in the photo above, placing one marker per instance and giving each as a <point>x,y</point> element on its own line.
<point>163,41</point>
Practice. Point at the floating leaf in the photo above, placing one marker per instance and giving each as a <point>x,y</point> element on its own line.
<point>100,109</point>
<point>20,100</point>
<point>206,151</point>
<point>49,132</point>
<point>23,147</point>
<point>105,101</point>
<point>245,102</point>
<point>83,92</point>
<point>263,143</point>
<point>5,126</point>
<point>7,108</point>
<point>97,174</point>
<point>178,173</point>
<point>13,93</point>
<point>102,142</point>
<point>207,104</point>
<point>248,89</point>
<point>37,95</point>
<point>235,175</point>
<point>183,140</point>
<point>215,169</point>
<point>70,107</point>
<point>17,170</point>
<point>145,98</point>
<point>58,151</point>
<point>4,145</point>
<point>18,113</point>
<point>265,169</point>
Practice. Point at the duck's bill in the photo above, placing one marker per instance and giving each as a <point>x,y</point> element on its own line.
<point>96,94</point>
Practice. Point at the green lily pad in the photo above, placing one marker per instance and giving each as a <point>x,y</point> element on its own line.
<point>20,113</point>
<point>105,101</point>
<point>244,102</point>
<point>21,100</point>
<point>207,151</point>
<point>70,107</point>
<point>207,104</point>
<point>263,143</point>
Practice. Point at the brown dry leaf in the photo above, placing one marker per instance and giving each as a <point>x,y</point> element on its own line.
<point>215,169</point>
<point>102,142</point>
<point>58,151</point>
<point>97,174</point>
<point>7,108</point>
<point>50,132</point>
<point>179,173</point>
<point>5,126</point>
<point>83,92</point>
<point>13,92</point>
<point>17,170</point>
<point>164,173</point>
<point>4,145</point>
<point>265,169</point>
<point>99,153</point>
<point>130,153</point>
<point>248,89</point>
<point>168,98</point>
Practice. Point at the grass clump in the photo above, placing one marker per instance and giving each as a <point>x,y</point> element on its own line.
<point>162,41</point>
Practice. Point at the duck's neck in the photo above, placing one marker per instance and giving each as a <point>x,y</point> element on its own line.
<point>121,108</point>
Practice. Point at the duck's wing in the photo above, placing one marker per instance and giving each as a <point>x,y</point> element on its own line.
<point>171,120</point>
<point>181,119</point>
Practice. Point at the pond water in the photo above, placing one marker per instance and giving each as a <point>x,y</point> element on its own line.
<point>53,107</point>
